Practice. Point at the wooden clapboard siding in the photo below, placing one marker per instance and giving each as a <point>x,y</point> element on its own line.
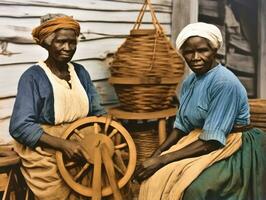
<point>239,42</point>
<point>118,16</point>
<point>185,10</point>
<point>90,30</point>
<point>85,50</point>
<point>6,107</point>
<point>248,83</point>
<point>240,62</point>
<point>4,133</point>
<point>90,5</point>
<point>212,10</point>
<point>262,49</point>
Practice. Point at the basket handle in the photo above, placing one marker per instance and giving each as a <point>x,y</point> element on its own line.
<point>155,22</point>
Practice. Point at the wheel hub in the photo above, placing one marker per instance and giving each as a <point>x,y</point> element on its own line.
<point>92,141</point>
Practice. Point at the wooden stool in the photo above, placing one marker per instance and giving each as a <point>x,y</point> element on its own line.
<point>12,181</point>
<point>161,116</point>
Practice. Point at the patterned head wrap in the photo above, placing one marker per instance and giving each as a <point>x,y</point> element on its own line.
<point>45,33</point>
<point>208,31</point>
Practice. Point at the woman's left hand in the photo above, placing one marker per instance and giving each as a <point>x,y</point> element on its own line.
<point>148,168</point>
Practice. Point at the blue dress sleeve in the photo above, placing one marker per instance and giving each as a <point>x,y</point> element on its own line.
<point>24,126</point>
<point>222,111</point>
<point>179,123</point>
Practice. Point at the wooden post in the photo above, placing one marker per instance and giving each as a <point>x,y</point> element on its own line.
<point>162,130</point>
<point>262,48</point>
<point>183,13</point>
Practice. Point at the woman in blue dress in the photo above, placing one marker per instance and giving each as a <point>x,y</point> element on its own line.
<point>213,152</point>
<point>52,94</point>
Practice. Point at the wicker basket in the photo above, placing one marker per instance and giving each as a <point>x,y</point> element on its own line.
<point>146,143</point>
<point>146,68</point>
<point>258,113</point>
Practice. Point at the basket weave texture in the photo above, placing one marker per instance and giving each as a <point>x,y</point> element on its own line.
<point>258,113</point>
<point>146,141</point>
<point>143,66</point>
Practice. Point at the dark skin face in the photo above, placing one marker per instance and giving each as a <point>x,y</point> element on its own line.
<point>61,51</point>
<point>63,47</point>
<point>199,55</point>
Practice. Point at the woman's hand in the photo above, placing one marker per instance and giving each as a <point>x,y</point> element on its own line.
<point>156,153</point>
<point>148,168</point>
<point>73,150</point>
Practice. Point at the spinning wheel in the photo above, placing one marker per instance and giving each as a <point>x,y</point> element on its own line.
<point>108,144</point>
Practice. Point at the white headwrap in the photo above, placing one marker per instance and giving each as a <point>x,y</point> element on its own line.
<point>208,31</point>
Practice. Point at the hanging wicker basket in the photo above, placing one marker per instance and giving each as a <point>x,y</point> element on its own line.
<point>146,68</point>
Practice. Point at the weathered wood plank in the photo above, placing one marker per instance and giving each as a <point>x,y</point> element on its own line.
<point>22,12</point>
<point>154,2</point>
<point>248,83</point>
<point>184,12</point>
<point>5,137</point>
<point>239,42</point>
<point>85,50</point>
<point>262,49</point>
<point>92,4</point>
<point>240,62</point>
<point>211,8</point>
<point>10,74</point>
<point>6,107</point>
<point>21,29</point>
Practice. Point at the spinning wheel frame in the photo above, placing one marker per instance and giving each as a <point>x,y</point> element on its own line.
<point>88,191</point>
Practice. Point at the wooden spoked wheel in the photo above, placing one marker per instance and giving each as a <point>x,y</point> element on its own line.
<point>112,158</point>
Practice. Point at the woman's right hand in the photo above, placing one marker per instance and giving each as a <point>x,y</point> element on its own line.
<point>148,168</point>
<point>73,149</point>
<point>156,153</point>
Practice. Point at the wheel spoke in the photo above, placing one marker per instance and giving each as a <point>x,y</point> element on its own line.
<point>107,123</point>
<point>119,161</point>
<point>124,154</point>
<point>118,139</point>
<point>76,131</point>
<point>96,128</point>
<point>96,182</point>
<point>121,146</point>
<point>113,133</point>
<point>84,168</point>
<point>109,167</point>
<point>70,164</point>
<point>119,170</point>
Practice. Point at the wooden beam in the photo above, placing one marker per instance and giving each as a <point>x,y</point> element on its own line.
<point>183,13</point>
<point>262,49</point>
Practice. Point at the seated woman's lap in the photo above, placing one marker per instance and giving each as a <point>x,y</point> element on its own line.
<point>234,178</point>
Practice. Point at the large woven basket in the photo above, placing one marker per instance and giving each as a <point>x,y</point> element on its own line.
<point>146,68</point>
